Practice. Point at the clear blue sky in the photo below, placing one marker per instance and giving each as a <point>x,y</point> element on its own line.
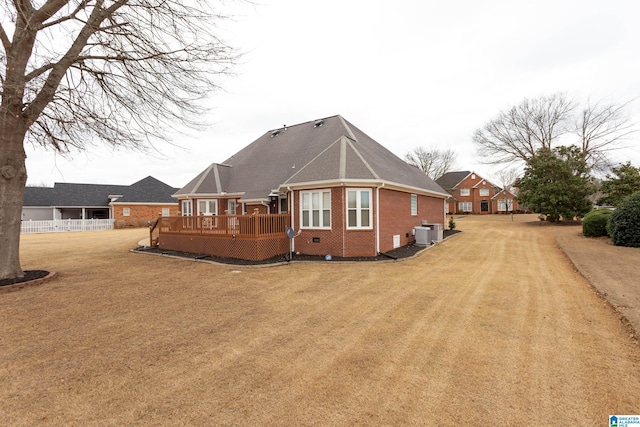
<point>408,73</point>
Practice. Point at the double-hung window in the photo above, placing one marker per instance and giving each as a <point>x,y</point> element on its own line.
<point>315,209</point>
<point>359,212</point>
<point>484,192</point>
<point>465,192</point>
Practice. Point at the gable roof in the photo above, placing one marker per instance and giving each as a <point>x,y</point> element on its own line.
<point>319,152</point>
<point>147,190</point>
<point>450,180</point>
<point>62,194</point>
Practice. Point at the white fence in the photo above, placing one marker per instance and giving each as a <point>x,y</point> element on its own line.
<point>62,225</point>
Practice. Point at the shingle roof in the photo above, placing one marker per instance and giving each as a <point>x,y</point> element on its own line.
<point>68,194</point>
<point>147,190</point>
<point>38,196</point>
<point>450,179</point>
<point>330,149</point>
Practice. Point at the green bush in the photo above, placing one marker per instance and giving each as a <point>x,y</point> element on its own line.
<point>595,222</point>
<point>452,223</point>
<point>624,225</point>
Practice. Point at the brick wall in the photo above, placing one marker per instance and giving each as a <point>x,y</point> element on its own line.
<point>396,218</point>
<point>140,215</point>
<point>318,241</point>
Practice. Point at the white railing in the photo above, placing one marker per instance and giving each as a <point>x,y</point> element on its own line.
<point>62,225</point>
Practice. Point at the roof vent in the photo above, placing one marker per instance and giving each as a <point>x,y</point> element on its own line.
<point>318,123</point>
<point>275,133</point>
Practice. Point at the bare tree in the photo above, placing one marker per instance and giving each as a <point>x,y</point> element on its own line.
<point>75,72</point>
<point>518,133</point>
<point>432,161</point>
<point>506,179</point>
<point>600,128</point>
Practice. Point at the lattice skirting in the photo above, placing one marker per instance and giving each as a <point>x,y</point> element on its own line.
<point>249,249</point>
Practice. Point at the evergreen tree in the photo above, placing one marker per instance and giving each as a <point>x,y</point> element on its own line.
<point>556,183</point>
<point>624,182</point>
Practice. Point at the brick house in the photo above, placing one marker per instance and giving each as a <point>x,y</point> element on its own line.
<point>471,193</point>
<point>141,202</point>
<point>128,205</point>
<point>341,192</point>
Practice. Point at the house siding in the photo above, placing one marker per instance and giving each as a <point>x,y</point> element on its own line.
<point>321,241</point>
<point>140,215</point>
<point>396,218</point>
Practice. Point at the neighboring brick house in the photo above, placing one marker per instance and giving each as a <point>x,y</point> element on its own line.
<point>129,205</point>
<point>142,202</point>
<point>471,193</point>
<point>343,193</point>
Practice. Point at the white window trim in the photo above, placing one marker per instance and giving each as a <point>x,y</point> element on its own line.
<point>470,204</point>
<point>484,192</point>
<point>166,211</point>
<point>502,205</point>
<point>215,202</point>
<point>126,211</point>
<point>310,210</point>
<point>414,207</point>
<point>358,209</point>
<point>465,192</point>
<point>231,206</point>
<point>189,210</point>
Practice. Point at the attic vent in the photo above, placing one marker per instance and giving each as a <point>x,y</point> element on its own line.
<point>275,133</point>
<point>318,123</point>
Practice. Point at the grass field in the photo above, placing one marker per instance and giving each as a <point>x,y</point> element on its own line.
<point>492,327</point>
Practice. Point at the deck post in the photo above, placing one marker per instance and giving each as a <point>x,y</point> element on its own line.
<point>256,215</point>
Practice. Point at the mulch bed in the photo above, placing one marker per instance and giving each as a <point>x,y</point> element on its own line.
<point>29,275</point>
<point>398,253</point>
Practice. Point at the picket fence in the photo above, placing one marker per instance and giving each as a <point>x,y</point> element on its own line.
<point>64,225</point>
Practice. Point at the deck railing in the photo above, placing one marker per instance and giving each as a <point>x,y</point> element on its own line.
<point>223,226</point>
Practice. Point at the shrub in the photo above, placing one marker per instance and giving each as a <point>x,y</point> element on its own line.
<point>595,223</point>
<point>452,223</point>
<point>624,225</point>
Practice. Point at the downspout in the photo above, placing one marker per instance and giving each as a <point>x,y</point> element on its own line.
<point>378,216</point>
<point>292,216</point>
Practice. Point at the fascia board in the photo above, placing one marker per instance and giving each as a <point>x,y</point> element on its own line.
<point>143,203</point>
<point>206,195</point>
<point>365,183</point>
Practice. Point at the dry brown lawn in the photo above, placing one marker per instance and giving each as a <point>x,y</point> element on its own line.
<point>492,327</point>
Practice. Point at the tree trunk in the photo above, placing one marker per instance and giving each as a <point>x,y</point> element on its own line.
<point>13,178</point>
